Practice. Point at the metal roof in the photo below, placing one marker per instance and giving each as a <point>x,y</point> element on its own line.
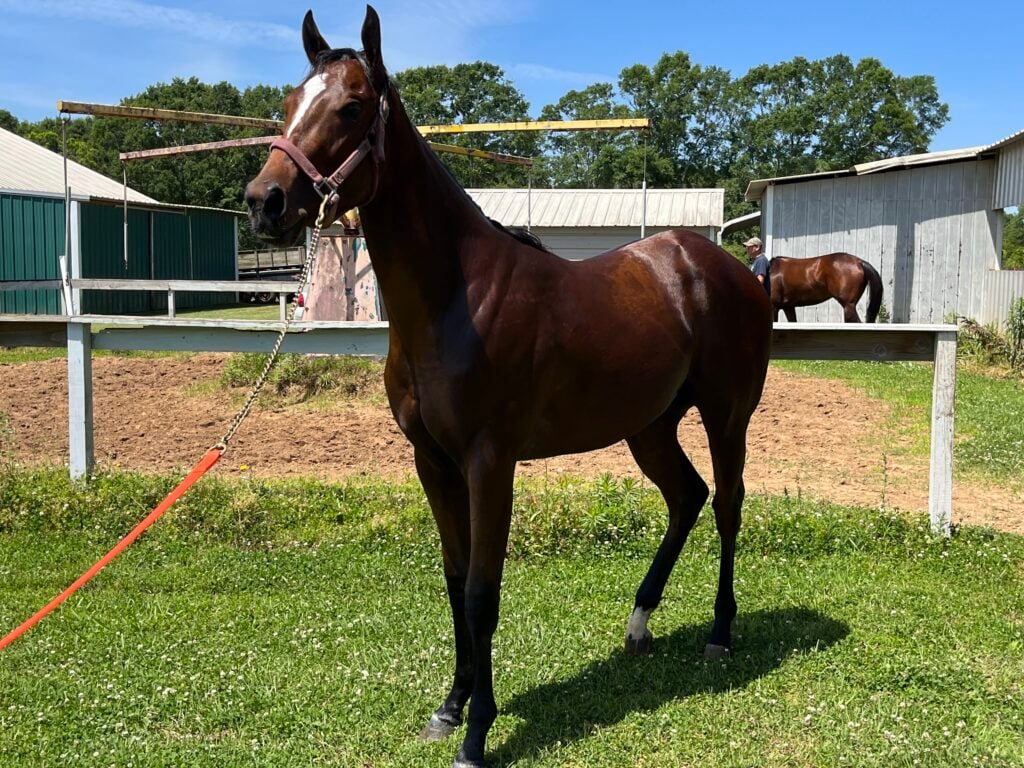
<point>742,222</point>
<point>1011,139</point>
<point>27,167</point>
<point>756,187</point>
<point>602,207</point>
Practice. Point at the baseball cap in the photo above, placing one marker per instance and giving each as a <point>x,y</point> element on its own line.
<point>752,241</point>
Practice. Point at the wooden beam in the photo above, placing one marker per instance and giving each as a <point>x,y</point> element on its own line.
<point>625,124</point>
<point>148,154</point>
<point>149,113</point>
<point>184,149</point>
<point>940,480</point>
<point>482,154</point>
<point>80,431</point>
<point>206,286</point>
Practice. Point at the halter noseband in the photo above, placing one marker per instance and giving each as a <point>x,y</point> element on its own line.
<point>327,186</point>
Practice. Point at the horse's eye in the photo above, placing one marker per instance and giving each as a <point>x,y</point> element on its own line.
<point>352,110</point>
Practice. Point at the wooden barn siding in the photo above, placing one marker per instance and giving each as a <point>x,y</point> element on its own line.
<point>1009,187</point>
<point>1002,287</point>
<point>930,233</point>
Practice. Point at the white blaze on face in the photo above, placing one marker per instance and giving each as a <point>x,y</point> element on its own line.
<point>311,89</point>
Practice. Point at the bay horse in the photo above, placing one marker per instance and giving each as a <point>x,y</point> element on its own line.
<point>840,276</point>
<point>502,351</point>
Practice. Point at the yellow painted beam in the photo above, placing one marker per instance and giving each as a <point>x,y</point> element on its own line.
<point>625,124</point>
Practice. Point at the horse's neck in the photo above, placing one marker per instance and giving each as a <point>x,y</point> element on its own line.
<point>416,228</point>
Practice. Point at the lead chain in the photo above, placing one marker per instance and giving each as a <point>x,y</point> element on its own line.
<point>307,268</point>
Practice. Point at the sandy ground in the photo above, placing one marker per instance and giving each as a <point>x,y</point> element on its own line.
<point>811,437</point>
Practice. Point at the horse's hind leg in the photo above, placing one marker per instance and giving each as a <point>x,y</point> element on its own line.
<point>790,314</point>
<point>449,501</point>
<point>850,313</point>
<point>657,451</point>
<point>727,439</point>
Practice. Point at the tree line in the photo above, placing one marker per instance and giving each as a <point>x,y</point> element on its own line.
<point>710,128</point>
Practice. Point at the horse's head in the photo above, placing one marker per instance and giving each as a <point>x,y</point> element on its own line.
<point>333,140</point>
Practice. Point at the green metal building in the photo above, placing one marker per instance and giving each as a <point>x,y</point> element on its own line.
<point>164,241</point>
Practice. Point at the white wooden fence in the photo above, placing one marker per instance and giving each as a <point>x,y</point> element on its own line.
<point>805,341</point>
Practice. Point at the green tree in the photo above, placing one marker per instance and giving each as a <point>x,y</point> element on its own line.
<point>598,159</point>
<point>1013,241</point>
<point>470,93</point>
<point>801,116</point>
<point>691,108</point>
<point>9,122</point>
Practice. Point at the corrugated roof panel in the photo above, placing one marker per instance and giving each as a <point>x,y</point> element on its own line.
<point>1011,139</point>
<point>603,207</point>
<point>27,167</point>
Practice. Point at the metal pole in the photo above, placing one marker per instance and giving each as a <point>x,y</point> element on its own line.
<point>529,200</point>
<point>64,265</point>
<point>124,172</point>
<point>643,212</point>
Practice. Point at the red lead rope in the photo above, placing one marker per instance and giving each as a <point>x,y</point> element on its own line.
<point>198,471</point>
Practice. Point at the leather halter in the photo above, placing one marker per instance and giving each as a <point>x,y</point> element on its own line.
<point>328,186</point>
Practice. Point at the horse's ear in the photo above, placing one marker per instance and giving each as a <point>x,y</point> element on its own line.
<point>312,40</point>
<point>371,46</point>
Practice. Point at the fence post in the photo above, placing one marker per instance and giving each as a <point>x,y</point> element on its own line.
<point>80,459</point>
<point>170,302</point>
<point>940,484</point>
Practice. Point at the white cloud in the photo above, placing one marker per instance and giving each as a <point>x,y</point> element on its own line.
<point>564,76</point>
<point>142,15</point>
<point>425,32</point>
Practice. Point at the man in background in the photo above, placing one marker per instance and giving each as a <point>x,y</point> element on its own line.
<point>759,262</point>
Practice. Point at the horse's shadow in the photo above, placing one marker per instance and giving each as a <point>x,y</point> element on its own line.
<point>606,691</point>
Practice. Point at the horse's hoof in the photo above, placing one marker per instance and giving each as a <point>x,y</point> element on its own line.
<point>714,652</point>
<point>461,761</point>
<point>438,728</point>
<point>639,646</point>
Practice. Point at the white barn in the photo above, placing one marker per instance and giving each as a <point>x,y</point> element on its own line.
<point>931,224</point>
<point>580,223</point>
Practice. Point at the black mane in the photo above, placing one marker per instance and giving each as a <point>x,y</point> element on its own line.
<point>339,54</point>
<point>524,236</point>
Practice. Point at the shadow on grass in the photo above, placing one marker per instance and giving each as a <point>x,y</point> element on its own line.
<point>606,691</point>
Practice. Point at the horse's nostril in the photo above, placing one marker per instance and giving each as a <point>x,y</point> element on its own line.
<point>274,203</point>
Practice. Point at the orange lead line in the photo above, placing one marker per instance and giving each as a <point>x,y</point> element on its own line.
<point>211,458</point>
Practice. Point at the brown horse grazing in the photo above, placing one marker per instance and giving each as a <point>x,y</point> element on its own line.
<point>840,276</point>
<point>501,351</point>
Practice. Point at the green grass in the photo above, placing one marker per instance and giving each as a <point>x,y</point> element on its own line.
<point>989,411</point>
<point>304,377</point>
<point>236,312</point>
<point>305,624</point>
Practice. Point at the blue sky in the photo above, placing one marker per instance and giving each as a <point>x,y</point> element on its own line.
<point>103,50</point>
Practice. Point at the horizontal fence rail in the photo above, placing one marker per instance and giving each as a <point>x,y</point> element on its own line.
<point>282,288</point>
<point>790,341</point>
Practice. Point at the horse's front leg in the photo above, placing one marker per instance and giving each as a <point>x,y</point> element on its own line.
<point>449,501</point>
<point>489,478</point>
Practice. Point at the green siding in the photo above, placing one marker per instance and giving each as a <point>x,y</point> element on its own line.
<point>101,229</point>
<point>197,245</point>
<point>31,241</point>
<point>213,254</point>
<point>158,248</point>
<point>170,255</point>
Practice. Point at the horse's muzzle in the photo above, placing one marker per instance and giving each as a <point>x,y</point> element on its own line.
<point>269,216</point>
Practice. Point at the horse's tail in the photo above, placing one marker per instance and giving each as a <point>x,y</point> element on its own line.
<point>874,281</point>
